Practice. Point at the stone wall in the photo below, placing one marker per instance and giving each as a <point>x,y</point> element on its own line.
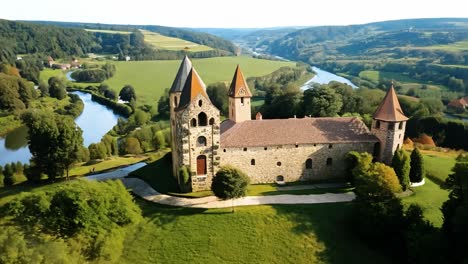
<point>289,161</point>
<point>391,136</point>
<point>187,145</point>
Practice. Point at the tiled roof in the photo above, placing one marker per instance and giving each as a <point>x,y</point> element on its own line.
<point>390,109</point>
<point>192,88</point>
<point>460,103</point>
<point>239,86</point>
<point>181,76</point>
<point>268,132</point>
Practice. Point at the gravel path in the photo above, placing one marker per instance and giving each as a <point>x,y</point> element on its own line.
<point>142,189</point>
<point>145,191</point>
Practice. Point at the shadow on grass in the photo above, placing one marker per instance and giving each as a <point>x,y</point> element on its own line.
<point>330,223</point>
<point>158,174</point>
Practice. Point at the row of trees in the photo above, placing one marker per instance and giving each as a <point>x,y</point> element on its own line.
<point>94,74</point>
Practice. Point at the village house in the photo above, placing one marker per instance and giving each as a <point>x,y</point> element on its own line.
<point>269,150</point>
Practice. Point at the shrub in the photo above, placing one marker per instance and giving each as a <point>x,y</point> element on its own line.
<point>230,183</point>
<point>424,139</point>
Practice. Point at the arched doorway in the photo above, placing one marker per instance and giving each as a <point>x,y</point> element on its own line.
<point>201,165</point>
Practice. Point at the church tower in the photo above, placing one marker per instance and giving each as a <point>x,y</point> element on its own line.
<point>388,125</point>
<point>196,135</point>
<point>239,98</point>
<point>174,99</point>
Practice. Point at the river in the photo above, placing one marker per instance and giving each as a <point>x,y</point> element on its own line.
<point>324,77</point>
<point>95,121</point>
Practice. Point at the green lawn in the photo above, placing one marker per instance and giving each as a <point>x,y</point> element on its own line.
<point>113,162</point>
<point>430,197</point>
<point>169,43</point>
<point>438,165</point>
<point>150,78</point>
<point>376,76</point>
<point>253,234</point>
<point>454,47</point>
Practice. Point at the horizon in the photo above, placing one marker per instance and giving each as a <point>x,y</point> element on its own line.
<point>244,15</point>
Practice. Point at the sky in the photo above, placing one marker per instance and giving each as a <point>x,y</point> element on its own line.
<point>229,14</point>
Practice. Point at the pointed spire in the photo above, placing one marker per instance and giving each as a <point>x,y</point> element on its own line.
<point>192,88</point>
<point>390,109</point>
<point>239,86</point>
<point>181,76</point>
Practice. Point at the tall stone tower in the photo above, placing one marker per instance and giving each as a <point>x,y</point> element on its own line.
<point>239,98</point>
<point>388,125</point>
<point>196,135</point>
<point>174,99</point>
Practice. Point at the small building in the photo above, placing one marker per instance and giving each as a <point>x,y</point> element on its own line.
<point>269,150</point>
<point>50,61</point>
<point>460,104</point>
<point>127,58</point>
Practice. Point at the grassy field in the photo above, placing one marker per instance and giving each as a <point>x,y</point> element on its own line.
<point>169,43</point>
<point>253,234</point>
<point>150,78</point>
<point>113,162</point>
<point>454,47</point>
<point>376,76</point>
<point>439,165</point>
<point>430,197</point>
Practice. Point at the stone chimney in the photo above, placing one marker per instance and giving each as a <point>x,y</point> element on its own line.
<point>258,116</point>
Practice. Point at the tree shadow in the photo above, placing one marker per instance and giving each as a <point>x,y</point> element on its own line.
<point>331,225</point>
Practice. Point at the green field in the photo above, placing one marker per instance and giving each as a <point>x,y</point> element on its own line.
<point>150,78</point>
<point>169,43</point>
<point>376,76</point>
<point>454,47</point>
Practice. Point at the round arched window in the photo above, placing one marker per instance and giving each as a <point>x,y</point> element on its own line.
<point>201,141</point>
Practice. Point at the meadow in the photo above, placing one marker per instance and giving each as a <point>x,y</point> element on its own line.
<point>453,47</point>
<point>150,78</point>
<point>159,41</point>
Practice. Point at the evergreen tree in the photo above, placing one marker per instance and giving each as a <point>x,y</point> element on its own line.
<point>9,175</point>
<point>417,171</point>
<point>401,165</point>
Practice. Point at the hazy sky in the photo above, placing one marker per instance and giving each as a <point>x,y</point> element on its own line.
<point>233,13</point>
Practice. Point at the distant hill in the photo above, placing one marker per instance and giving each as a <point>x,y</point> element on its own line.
<point>182,33</point>
<point>66,39</point>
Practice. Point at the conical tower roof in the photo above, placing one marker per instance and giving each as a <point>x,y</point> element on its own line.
<point>192,88</point>
<point>390,109</point>
<point>181,76</point>
<point>239,86</point>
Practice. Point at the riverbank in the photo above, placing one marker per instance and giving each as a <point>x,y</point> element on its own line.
<point>324,77</point>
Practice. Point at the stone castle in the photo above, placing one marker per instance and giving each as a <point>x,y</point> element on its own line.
<point>269,150</point>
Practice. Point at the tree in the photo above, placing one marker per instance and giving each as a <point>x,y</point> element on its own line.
<point>163,105</point>
<point>54,142</point>
<point>127,93</point>
<point>230,183</point>
<point>184,178</point>
<point>132,146</point>
<point>110,94</point>
<point>57,88</point>
<point>401,165</point>
<point>322,100</point>
<point>159,140</point>
<point>97,151</point>
<point>9,175</point>
<point>44,88</point>
<point>217,93</point>
<point>455,209</point>
<point>417,171</point>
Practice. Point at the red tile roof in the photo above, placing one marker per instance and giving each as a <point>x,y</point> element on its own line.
<point>268,132</point>
<point>390,109</point>
<point>459,103</point>
<point>192,88</point>
<point>239,86</point>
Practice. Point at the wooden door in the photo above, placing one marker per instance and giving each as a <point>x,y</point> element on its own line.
<point>201,165</point>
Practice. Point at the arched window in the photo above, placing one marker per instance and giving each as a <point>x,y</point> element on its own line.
<point>252,162</point>
<point>242,100</point>
<point>309,164</point>
<point>377,124</point>
<point>330,145</point>
<point>193,122</point>
<point>175,101</point>
<point>201,141</point>
<point>202,119</point>
<point>200,103</point>
<point>391,126</point>
<point>329,161</point>
<point>400,125</point>
<point>279,178</point>
<point>211,121</point>
<point>201,165</point>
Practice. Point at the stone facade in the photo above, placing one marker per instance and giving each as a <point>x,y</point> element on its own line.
<point>266,164</point>
<point>391,136</point>
<point>197,139</point>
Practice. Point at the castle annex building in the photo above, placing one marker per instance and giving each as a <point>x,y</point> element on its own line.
<point>269,150</point>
